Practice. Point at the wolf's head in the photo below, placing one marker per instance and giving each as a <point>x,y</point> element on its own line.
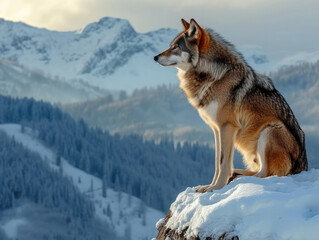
<point>185,49</point>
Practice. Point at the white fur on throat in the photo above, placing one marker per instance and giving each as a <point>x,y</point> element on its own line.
<point>209,113</point>
<point>183,64</point>
<point>180,75</point>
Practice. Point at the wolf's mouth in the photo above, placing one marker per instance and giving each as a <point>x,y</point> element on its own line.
<point>167,65</point>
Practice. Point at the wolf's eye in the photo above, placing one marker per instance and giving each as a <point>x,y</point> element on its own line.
<point>175,46</point>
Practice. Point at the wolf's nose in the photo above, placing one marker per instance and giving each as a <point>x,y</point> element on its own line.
<point>155,58</point>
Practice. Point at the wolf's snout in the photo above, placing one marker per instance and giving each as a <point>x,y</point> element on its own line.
<point>156,58</point>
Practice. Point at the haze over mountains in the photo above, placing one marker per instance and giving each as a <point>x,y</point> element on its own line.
<point>18,81</point>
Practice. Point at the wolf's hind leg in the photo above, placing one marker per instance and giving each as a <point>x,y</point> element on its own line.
<point>279,150</point>
<point>242,172</point>
<point>274,147</point>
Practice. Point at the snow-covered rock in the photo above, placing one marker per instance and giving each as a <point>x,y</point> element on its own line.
<point>248,208</point>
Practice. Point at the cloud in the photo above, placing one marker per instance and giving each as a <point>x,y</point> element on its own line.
<point>74,14</point>
<point>57,15</point>
<point>279,26</point>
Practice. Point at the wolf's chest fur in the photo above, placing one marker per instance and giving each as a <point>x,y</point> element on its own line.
<point>201,96</point>
<point>209,114</point>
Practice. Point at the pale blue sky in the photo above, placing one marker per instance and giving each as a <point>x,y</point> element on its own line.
<point>278,26</point>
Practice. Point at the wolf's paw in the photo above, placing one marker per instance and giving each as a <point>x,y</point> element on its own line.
<point>205,188</point>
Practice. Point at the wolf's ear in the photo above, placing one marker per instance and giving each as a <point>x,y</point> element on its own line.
<point>194,30</point>
<point>185,24</point>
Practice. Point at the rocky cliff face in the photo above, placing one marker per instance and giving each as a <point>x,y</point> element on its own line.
<point>165,233</point>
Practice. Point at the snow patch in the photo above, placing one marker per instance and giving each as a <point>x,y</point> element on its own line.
<point>252,208</point>
<point>11,227</point>
<point>160,223</point>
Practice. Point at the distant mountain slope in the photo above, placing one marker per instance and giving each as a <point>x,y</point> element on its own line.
<point>165,110</point>
<point>300,85</point>
<point>17,81</point>
<point>158,113</point>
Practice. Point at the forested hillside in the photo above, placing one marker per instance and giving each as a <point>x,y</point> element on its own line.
<point>152,172</point>
<point>26,179</point>
<point>296,77</point>
<point>154,113</point>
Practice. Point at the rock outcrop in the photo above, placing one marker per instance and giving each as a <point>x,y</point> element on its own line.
<point>165,233</point>
<point>248,208</point>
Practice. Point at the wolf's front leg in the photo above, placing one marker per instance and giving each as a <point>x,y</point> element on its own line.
<point>204,188</point>
<point>227,136</point>
<point>217,154</point>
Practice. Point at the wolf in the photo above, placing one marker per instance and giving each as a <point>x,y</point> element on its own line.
<point>241,106</point>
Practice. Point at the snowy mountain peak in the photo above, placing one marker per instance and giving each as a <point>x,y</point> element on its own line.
<point>11,28</point>
<point>108,53</point>
<point>163,32</point>
<point>102,49</point>
<point>105,24</point>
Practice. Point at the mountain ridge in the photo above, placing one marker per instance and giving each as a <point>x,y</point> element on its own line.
<point>108,53</point>
<point>92,54</point>
<point>18,81</point>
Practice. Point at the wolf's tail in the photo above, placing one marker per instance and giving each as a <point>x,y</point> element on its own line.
<point>301,164</point>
